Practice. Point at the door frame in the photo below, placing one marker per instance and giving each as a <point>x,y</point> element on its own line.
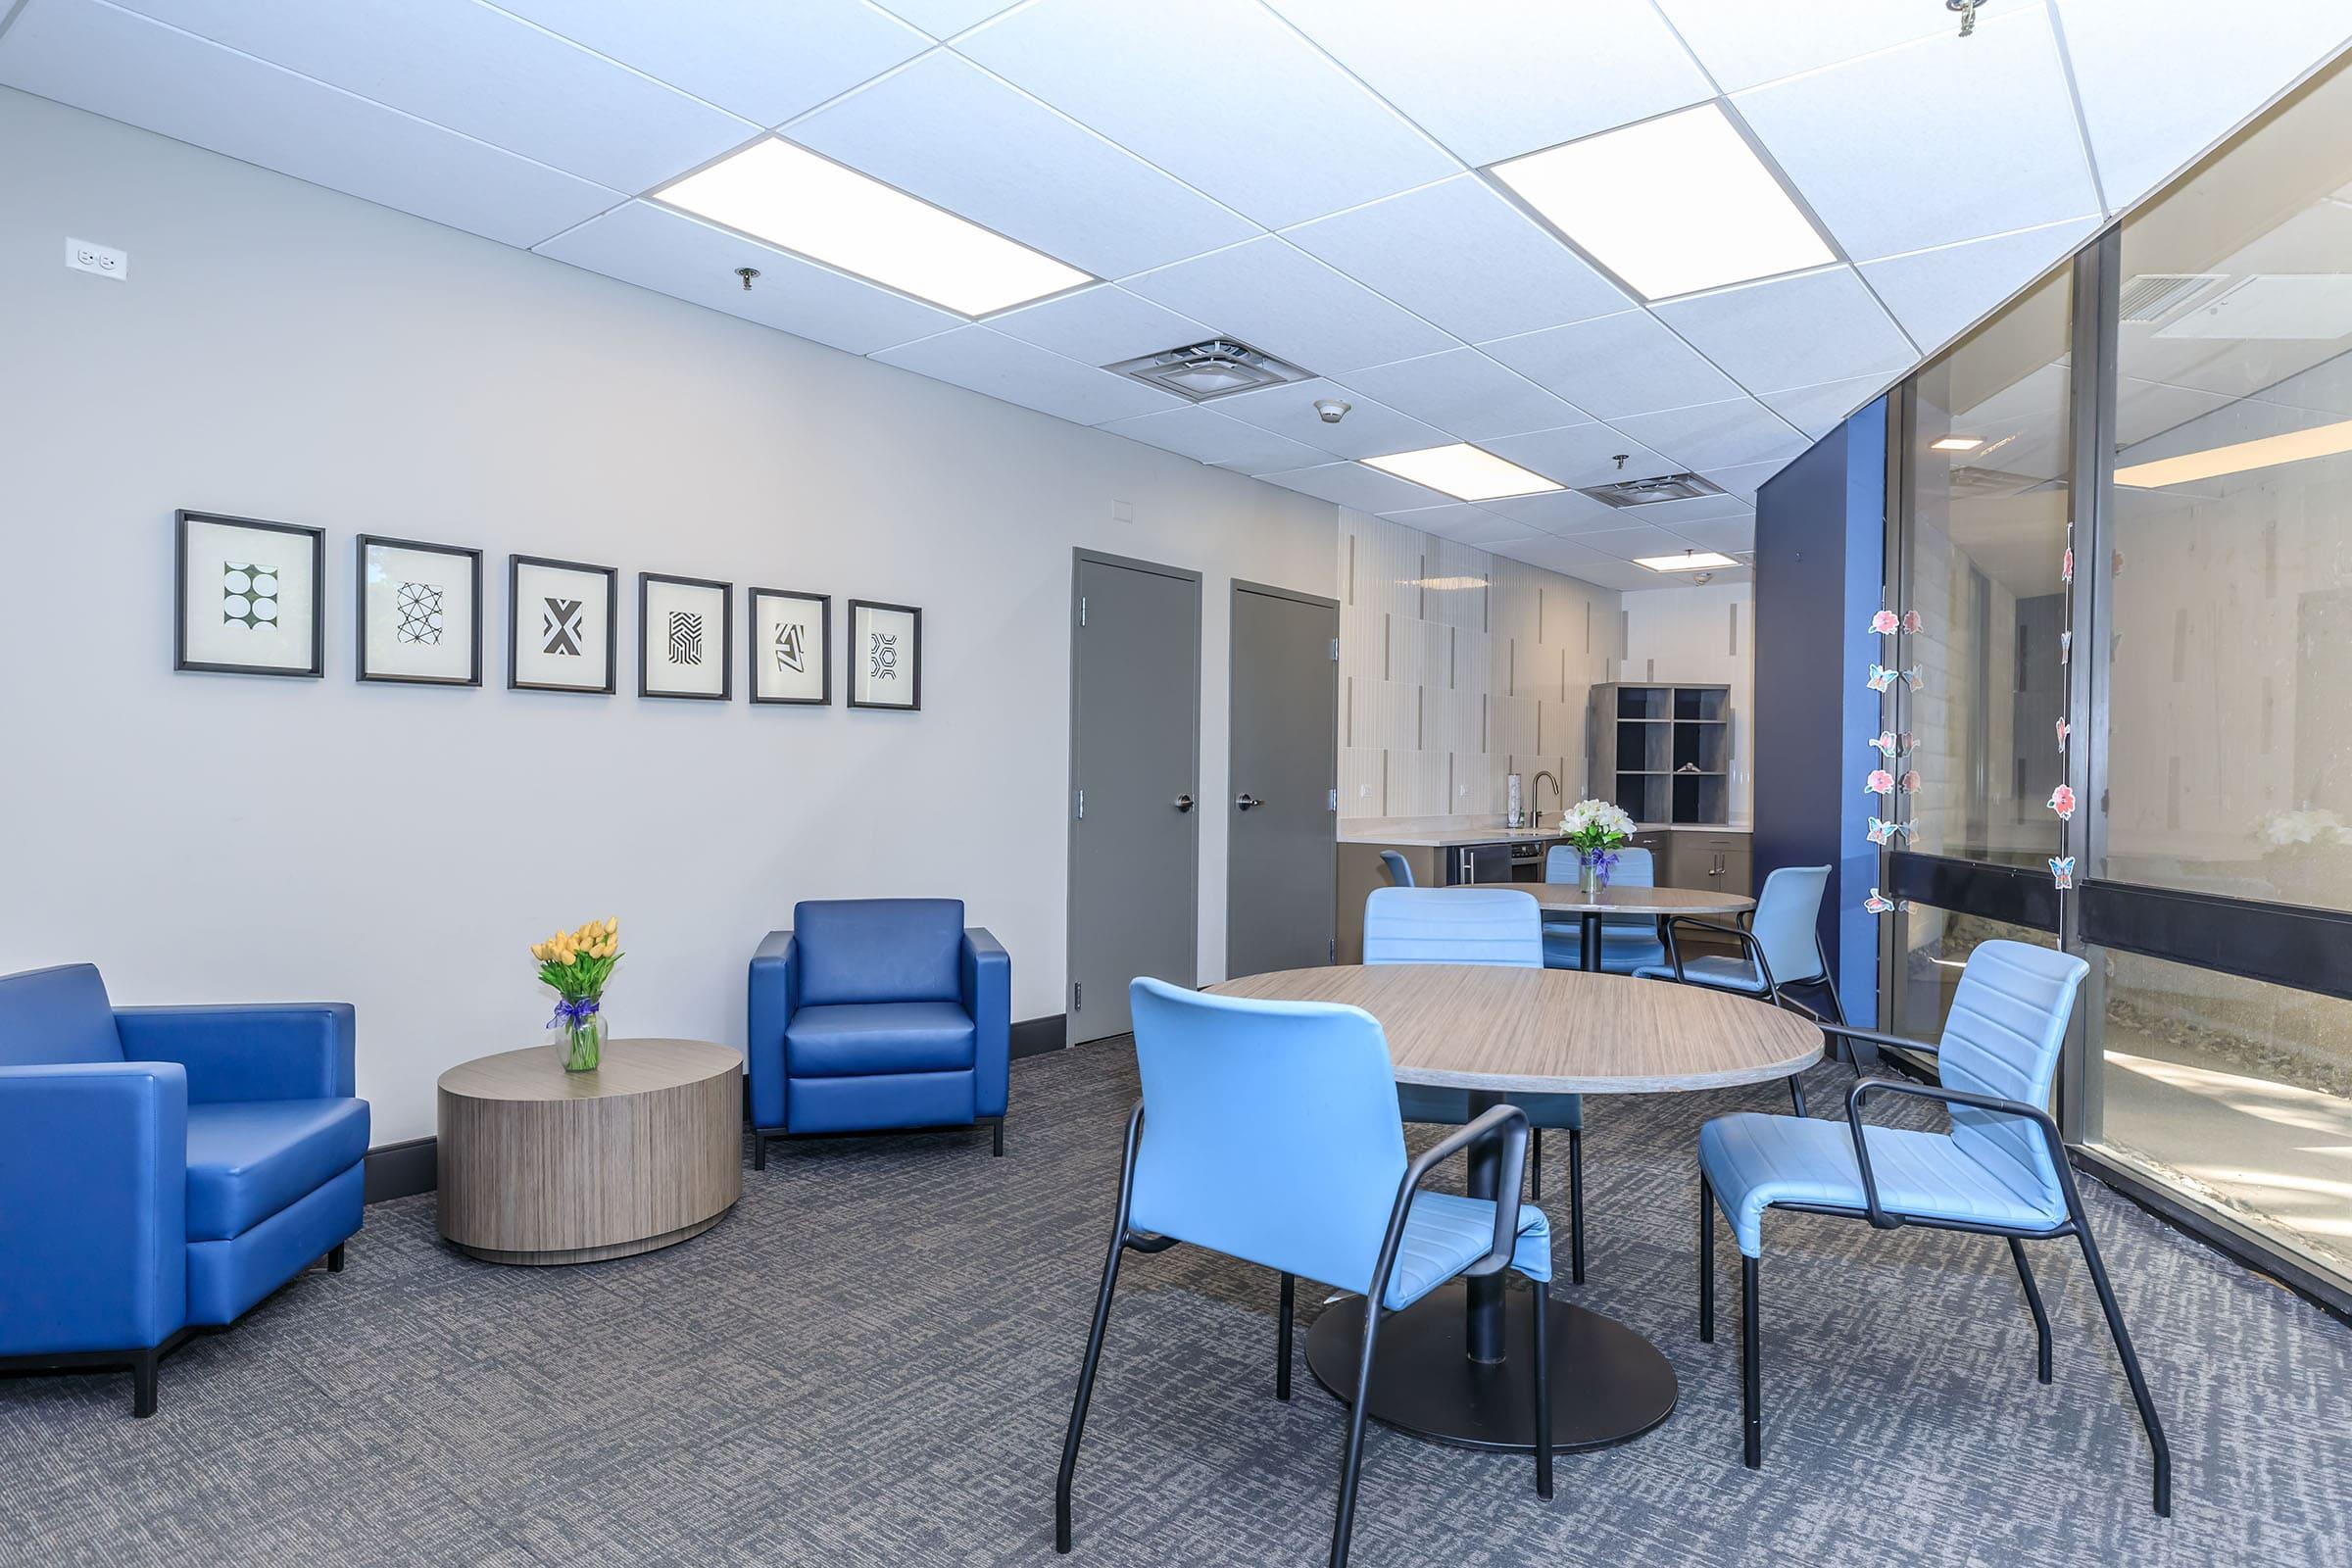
<point>1080,559</point>
<point>1233,709</point>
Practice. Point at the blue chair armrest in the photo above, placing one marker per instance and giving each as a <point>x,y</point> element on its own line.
<point>1886,1219</point>
<point>93,1205</point>
<point>774,997</point>
<point>275,1050</point>
<point>1507,1122</point>
<point>985,979</point>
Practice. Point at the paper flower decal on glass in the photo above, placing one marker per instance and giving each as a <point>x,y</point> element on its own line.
<point>2064,730</point>
<point>1884,832</point>
<point>1884,623</point>
<point>2115,562</point>
<point>2066,566</point>
<point>1878,904</point>
<point>2061,871</point>
<point>1881,677</point>
<point>2061,801</point>
<point>1911,621</point>
<point>1910,781</point>
<point>1879,782</point>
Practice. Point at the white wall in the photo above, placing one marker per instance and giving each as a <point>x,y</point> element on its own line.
<point>282,352</point>
<point>1703,634</point>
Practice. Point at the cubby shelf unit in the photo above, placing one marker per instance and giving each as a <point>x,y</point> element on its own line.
<point>1664,752</point>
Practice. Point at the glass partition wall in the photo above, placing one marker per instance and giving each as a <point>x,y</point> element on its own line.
<point>2174,404</point>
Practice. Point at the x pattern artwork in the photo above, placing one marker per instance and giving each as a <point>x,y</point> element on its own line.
<point>249,595</point>
<point>418,606</point>
<point>685,637</point>
<point>561,624</point>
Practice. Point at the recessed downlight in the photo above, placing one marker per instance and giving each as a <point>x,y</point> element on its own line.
<point>789,196</point>
<point>1463,471</point>
<point>1957,443</point>
<point>1672,206</point>
<point>1688,561</point>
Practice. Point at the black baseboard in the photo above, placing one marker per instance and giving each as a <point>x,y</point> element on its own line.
<point>2327,1294</point>
<point>402,1170</point>
<point>1034,1037</point>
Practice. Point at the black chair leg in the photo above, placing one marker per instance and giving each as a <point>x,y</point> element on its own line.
<point>1353,1463</point>
<point>1576,1205</point>
<point>759,1149</point>
<point>1543,1390</point>
<point>1796,1093</point>
<point>2041,1319</point>
<point>1086,1391</point>
<point>1534,1164</point>
<point>2140,1385</point>
<point>143,1366</point>
<point>1282,1341</point>
<point>1751,1376</point>
<point>1706,1260</point>
<point>999,1151</point>
<point>335,1258</point>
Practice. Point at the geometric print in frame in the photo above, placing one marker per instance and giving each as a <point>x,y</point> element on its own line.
<point>685,637</point>
<point>560,625</point>
<point>417,608</point>
<point>248,595</point>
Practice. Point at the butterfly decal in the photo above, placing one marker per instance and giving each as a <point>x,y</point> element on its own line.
<point>1911,621</point>
<point>1879,782</point>
<point>1914,677</point>
<point>1878,904</point>
<point>1884,623</point>
<point>2061,871</point>
<point>2063,729</point>
<point>2066,566</point>
<point>2065,646</point>
<point>1881,677</point>
<point>1890,745</point>
<point>2061,801</point>
<point>1884,832</point>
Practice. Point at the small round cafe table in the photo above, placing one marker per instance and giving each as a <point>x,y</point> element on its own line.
<point>1567,897</point>
<point>1452,1367</point>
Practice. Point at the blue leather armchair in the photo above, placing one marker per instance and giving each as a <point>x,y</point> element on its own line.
<point>873,1014</point>
<point>162,1169</point>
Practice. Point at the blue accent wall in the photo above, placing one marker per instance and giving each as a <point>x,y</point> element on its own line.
<point>1820,567</point>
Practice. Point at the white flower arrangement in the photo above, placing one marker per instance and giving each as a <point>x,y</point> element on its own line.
<point>2286,830</point>
<point>1595,826</point>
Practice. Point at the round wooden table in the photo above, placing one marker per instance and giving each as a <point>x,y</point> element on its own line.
<point>1567,897</point>
<point>1450,1366</point>
<point>539,1165</point>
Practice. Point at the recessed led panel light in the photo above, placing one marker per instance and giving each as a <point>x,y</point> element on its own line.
<point>1463,471</point>
<point>1957,443</point>
<point>1672,206</point>
<point>2320,441</point>
<point>1688,561</point>
<point>789,196</point>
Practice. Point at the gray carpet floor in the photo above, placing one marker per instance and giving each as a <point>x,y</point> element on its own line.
<point>869,1363</point>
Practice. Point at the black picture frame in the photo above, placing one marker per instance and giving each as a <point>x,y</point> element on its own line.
<point>914,686</point>
<point>612,577</point>
<point>473,560</point>
<point>726,638</point>
<point>825,648</point>
<point>179,596</point>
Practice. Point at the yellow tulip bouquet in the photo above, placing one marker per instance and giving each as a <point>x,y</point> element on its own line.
<point>575,963</point>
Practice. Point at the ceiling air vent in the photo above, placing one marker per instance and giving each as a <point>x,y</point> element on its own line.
<point>1217,369</point>
<point>2149,297</point>
<point>1648,491</point>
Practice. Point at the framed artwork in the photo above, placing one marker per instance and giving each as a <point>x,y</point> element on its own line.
<point>420,613</point>
<point>886,656</point>
<point>792,646</point>
<point>685,637</point>
<point>559,616</point>
<point>245,598</point>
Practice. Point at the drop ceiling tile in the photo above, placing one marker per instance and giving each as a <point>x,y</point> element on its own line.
<point>1508,77</point>
<point>1351,484</point>
<point>1370,429</point>
<point>1939,293</point>
<point>956,136</point>
<point>111,62</point>
<point>943,18</point>
<point>1459,256</point>
<point>1717,434</point>
<point>2144,410</point>
<point>1674,516</point>
<point>1291,305</point>
<point>1745,478</point>
<point>1725,535</point>
<point>1213,438</point>
<point>1818,409</point>
<point>1463,392</point>
<point>673,254</point>
<point>2163,79</point>
<point>1559,513</point>
<point>1572,560</point>
<point>1007,368</point>
<point>1935,142</point>
<point>765,62</point>
<point>1220,94</point>
<point>1101,325</point>
<point>1792,332</point>
<point>1640,539</point>
<point>1464,524</point>
<point>1744,45</point>
<point>1582,455</point>
<point>481,73</point>
<point>1623,364</point>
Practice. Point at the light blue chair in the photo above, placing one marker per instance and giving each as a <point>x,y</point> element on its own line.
<point>1627,941</point>
<point>1483,926</point>
<point>1999,1170</point>
<point>1401,869</point>
<point>1267,1131</point>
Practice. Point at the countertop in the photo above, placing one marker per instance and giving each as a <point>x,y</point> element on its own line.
<point>1423,834</point>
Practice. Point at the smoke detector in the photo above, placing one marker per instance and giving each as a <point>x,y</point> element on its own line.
<point>1649,492</point>
<point>1216,369</point>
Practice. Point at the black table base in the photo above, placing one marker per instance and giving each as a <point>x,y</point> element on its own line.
<point>1608,1383</point>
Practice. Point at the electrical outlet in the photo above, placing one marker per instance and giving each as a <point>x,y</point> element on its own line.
<point>103,260</point>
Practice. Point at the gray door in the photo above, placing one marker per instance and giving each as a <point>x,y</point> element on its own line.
<point>1281,856</point>
<point>1135,769</point>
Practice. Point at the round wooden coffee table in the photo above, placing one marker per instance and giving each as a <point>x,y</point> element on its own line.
<point>1447,1368</point>
<point>539,1165</point>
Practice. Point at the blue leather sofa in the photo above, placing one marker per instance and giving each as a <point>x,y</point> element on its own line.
<point>162,1169</point>
<point>878,1014</point>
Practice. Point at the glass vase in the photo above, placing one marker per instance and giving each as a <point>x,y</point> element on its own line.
<point>582,1042</point>
<point>1588,875</point>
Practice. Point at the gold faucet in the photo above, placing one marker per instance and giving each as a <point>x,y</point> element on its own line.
<point>1535,817</point>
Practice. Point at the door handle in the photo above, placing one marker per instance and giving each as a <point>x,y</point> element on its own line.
<point>1245,801</point>
<point>1184,803</point>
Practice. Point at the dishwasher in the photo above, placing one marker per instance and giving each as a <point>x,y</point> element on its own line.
<point>1520,861</point>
